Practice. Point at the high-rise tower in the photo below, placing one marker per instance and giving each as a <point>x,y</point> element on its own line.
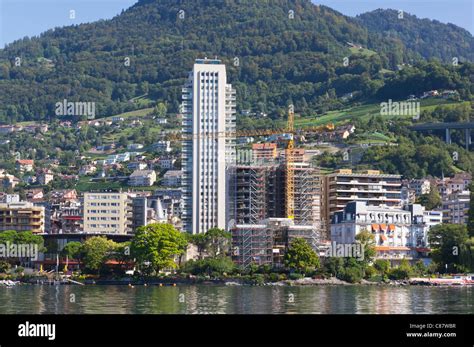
<point>208,150</point>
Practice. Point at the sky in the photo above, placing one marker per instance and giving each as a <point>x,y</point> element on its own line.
<point>20,18</point>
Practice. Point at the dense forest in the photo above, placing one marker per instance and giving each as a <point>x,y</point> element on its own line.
<point>277,52</point>
<point>423,37</point>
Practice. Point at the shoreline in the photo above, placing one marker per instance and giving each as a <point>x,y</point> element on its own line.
<point>167,282</point>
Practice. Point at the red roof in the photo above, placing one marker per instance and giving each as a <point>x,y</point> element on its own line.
<point>25,161</point>
<point>264,146</point>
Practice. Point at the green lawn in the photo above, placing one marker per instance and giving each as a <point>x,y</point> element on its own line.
<point>364,112</point>
<point>85,185</point>
<point>374,137</point>
<point>362,51</point>
<point>137,113</point>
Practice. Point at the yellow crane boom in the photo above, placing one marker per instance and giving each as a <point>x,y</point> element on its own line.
<point>290,175</point>
<point>289,151</point>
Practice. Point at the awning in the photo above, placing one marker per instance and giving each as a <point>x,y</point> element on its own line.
<point>383,227</point>
<point>375,227</point>
<point>391,248</point>
<point>423,249</point>
<point>391,227</point>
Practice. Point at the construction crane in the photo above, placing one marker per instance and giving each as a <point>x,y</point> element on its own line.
<point>289,150</point>
<point>179,136</point>
<point>290,175</point>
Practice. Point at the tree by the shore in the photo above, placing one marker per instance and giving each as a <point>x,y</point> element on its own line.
<point>452,248</point>
<point>156,246</point>
<point>300,257</point>
<point>215,242</point>
<point>96,251</point>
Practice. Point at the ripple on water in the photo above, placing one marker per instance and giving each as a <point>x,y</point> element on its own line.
<point>202,299</point>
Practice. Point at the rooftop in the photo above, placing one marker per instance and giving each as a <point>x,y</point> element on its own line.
<point>139,173</point>
<point>208,61</point>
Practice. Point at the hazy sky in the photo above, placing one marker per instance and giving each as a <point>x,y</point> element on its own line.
<point>20,18</point>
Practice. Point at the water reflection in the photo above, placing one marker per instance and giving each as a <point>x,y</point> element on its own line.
<point>235,300</point>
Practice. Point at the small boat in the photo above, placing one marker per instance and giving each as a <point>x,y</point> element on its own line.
<point>8,283</point>
<point>455,280</point>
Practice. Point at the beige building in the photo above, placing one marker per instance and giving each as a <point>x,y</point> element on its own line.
<point>24,165</point>
<point>371,186</point>
<point>22,216</point>
<point>142,178</point>
<point>455,207</point>
<point>45,176</point>
<point>107,213</point>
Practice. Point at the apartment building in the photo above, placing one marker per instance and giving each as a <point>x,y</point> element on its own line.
<point>172,178</point>
<point>107,213</point>
<point>455,207</point>
<point>371,186</point>
<point>22,216</point>
<point>142,178</point>
<point>24,165</point>
<point>421,186</point>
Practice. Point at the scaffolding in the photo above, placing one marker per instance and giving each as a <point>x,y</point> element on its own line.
<point>267,242</point>
<point>307,196</point>
<point>256,192</point>
<point>252,245</point>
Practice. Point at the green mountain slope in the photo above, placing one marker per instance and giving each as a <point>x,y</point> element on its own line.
<point>277,52</point>
<point>426,38</point>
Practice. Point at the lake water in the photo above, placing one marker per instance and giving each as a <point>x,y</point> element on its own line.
<point>204,299</point>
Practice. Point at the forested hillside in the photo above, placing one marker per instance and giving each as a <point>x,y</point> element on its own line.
<point>426,38</point>
<point>277,52</point>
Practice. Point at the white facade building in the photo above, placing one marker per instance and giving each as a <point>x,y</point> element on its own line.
<point>108,213</point>
<point>399,233</point>
<point>208,146</point>
<point>421,186</point>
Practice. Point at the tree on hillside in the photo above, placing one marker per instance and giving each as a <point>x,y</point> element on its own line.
<point>160,109</point>
<point>431,200</point>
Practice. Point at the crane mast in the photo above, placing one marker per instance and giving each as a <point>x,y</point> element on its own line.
<point>290,175</point>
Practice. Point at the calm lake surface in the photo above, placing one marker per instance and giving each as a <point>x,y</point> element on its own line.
<point>203,299</point>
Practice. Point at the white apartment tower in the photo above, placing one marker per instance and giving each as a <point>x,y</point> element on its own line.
<point>208,151</point>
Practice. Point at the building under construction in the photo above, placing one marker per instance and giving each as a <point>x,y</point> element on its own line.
<point>307,195</point>
<point>265,243</point>
<point>262,230</point>
<point>258,193</point>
